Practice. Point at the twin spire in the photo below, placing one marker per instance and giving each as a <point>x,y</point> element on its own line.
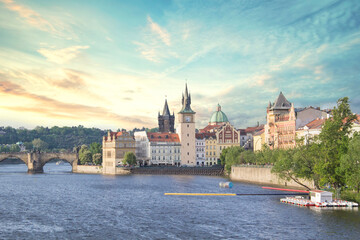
<point>186,102</point>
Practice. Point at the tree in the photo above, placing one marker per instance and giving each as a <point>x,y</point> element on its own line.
<point>85,155</point>
<point>39,144</point>
<point>129,158</point>
<point>97,158</point>
<point>223,156</point>
<point>350,164</point>
<point>232,157</point>
<point>95,147</point>
<point>14,148</point>
<point>28,145</point>
<point>334,139</point>
<point>4,149</point>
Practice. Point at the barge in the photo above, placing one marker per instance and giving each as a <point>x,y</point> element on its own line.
<point>320,199</point>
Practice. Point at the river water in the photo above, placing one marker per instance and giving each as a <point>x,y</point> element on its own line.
<point>62,205</point>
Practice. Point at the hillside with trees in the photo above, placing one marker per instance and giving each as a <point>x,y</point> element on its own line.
<point>54,138</point>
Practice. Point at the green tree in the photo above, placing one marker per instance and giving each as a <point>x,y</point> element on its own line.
<point>129,158</point>
<point>95,147</point>
<point>97,158</point>
<point>4,149</point>
<point>85,155</point>
<point>232,157</point>
<point>350,164</point>
<point>223,156</point>
<point>334,139</point>
<point>28,146</point>
<point>14,148</point>
<point>39,144</point>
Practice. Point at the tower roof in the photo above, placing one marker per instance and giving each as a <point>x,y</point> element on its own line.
<point>281,103</point>
<point>166,111</point>
<point>186,102</point>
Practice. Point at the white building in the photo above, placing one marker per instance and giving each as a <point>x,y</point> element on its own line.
<point>310,130</point>
<point>164,149</point>
<point>142,151</point>
<point>200,149</point>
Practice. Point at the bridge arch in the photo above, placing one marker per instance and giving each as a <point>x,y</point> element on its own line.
<point>22,156</point>
<point>71,158</point>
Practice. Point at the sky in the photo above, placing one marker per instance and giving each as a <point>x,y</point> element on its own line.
<point>112,64</point>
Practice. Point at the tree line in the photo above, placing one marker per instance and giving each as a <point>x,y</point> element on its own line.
<point>56,138</point>
<point>331,159</point>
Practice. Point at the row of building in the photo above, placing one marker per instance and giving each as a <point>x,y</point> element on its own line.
<point>187,146</point>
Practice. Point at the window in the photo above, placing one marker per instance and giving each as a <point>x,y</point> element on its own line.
<point>187,134</point>
<point>188,125</point>
<point>188,144</point>
<point>188,153</point>
<point>108,154</point>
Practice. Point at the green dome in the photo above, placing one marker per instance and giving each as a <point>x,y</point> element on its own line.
<point>218,116</point>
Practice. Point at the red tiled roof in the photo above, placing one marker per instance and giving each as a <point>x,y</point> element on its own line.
<point>254,129</point>
<point>205,135</point>
<point>163,137</point>
<point>208,128</point>
<point>317,123</point>
<point>114,135</point>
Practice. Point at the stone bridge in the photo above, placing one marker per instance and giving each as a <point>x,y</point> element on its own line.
<point>35,161</point>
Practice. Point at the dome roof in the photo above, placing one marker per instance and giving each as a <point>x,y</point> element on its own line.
<point>218,116</point>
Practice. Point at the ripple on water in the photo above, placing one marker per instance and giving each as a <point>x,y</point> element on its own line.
<point>60,204</point>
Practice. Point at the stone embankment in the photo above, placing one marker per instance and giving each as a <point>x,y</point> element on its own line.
<point>203,171</point>
<point>262,175</point>
<point>88,169</point>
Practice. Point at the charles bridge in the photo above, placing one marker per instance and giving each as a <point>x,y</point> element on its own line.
<point>35,161</point>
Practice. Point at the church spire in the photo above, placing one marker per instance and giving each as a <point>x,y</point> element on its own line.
<point>166,111</point>
<point>186,102</point>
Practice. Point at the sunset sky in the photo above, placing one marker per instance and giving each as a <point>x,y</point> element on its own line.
<point>110,64</point>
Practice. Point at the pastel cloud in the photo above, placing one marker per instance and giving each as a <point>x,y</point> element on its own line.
<point>31,17</point>
<point>161,32</point>
<point>54,108</point>
<point>61,56</point>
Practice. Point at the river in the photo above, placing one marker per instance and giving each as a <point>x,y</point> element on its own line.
<point>63,205</point>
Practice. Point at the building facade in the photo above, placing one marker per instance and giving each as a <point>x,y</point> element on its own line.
<point>166,120</point>
<point>165,149</point>
<point>280,124</point>
<point>200,149</point>
<point>115,145</point>
<point>186,130</point>
<point>226,136</point>
<point>142,151</point>
<point>211,152</point>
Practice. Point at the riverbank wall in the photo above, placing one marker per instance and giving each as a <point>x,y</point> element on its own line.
<point>203,171</point>
<point>88,169</point>
<point>262,175</point>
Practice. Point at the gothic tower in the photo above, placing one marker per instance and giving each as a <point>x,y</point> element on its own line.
<point>166,120</point>
<point>186,131</point>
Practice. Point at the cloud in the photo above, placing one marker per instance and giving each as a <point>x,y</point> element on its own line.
<point>61,56</point>
<point>54,108</point>
<point>31,17</point>
<point>161,32</point>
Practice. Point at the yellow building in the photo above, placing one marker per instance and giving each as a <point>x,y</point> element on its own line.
<point>211,153</point>
<point>115,145</point>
